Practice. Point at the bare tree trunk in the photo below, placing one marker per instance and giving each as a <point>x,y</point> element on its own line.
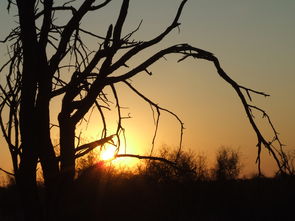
<point>67,163</point>
<point>26,176</point>
<point>67,149</point>
<point>46,152</point>
<point>34,118</point>
<point>39,74</point>
<point>27,186</point>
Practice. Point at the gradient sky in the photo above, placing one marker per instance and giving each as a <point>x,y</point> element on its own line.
<point>254,41</point>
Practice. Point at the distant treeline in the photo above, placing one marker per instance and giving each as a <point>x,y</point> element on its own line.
<point>155,190</point>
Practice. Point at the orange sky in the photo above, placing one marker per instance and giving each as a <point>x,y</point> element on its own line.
<point>254,41</point>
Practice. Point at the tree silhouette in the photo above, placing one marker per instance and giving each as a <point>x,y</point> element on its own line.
<point>40,50</point>
<point>228,165</point>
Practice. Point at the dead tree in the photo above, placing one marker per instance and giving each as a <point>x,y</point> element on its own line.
<point>39,51</point>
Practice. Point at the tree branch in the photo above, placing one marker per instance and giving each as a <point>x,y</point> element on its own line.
<point>46,24</point>
<point>140,47</point>
<point>86,148</point>
<point>57,8</point>
<point>119,24</point>
<point>173,164</point>
<point>8,173</point>
<point>189,51</point>
<point>158,108</point>
<point>96,7</point>
<point>69,29</point>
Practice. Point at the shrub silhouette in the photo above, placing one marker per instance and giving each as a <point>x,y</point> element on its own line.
<point>188,167</point>
<point>86,162</point>
<point>228,165</point>
<point>102,192</point>
<point>159,191</point>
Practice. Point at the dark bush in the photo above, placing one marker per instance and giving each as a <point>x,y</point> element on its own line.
<point>188,167</point>
<point>228,165</point>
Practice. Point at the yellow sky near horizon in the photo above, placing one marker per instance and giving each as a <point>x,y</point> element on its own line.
<point>254,41</point>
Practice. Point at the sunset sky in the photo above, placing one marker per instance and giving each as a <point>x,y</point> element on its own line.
<point>254,41</point>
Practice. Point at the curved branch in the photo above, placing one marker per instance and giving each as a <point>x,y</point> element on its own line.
<point>237,88</point>
<point>189,51</point>
<point>158,108</point>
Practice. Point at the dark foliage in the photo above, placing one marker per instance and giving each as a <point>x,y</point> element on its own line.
<point>102,193</point>
<point>39,48</point>
<point>228,164</point>
<point>188,167</point>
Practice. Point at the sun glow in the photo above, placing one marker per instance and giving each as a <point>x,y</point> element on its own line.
<point>108,153</point>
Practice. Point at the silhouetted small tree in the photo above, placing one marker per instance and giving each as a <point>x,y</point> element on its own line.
<point>228,164</point>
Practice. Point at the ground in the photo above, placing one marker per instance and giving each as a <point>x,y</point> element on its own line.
<point>100,195</point>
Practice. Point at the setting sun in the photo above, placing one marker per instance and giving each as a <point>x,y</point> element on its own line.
<point>108,153</point>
